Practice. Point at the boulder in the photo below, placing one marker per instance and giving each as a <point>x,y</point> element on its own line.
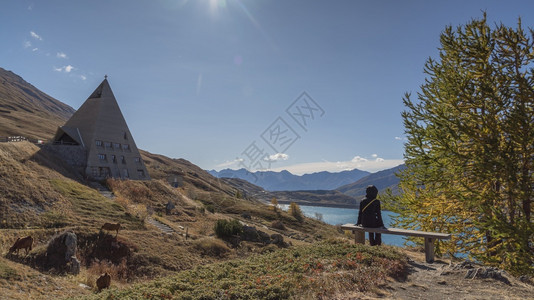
<point>278,240</point>
<point>61,253</point>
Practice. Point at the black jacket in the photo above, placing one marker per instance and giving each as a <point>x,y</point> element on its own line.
<point>370,214</point>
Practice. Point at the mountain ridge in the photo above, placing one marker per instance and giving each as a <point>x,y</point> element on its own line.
<point>27,111</point>
<point>385,179</point>
<point>286,181</point>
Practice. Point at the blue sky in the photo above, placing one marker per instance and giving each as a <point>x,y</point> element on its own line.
<point>288,84</point>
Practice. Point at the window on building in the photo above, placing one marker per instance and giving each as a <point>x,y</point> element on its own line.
<point>114,159</point>
<point>98,143</point>
<point>107,145</point>
<point>125,134</point>
<point>94,171</point>
<point>117,146</point>
<point>126,147</point>
<point>125,173</point>
<point>123,160</point>
<point>102,156</point>
<point>137,160</point>
<point>141,173</point>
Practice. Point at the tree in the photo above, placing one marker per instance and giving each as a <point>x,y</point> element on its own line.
<point>274,203</point>
<point>294,210</point>
<point>470,145</point>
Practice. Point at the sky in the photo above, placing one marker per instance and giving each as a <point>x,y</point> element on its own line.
<point>300,85</point>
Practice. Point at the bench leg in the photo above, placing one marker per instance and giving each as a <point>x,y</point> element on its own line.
<point>359,237</point>
<point>429,249</point>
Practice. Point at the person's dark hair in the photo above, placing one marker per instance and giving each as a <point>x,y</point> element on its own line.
<point>371,192</point>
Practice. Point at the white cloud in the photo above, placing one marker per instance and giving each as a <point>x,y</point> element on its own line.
<point>374,155</point>
<point>27,44</point>
<point>231,163</point>
<point>358,159</point>
<point>83,77</point>
<point>378,159</point>
<point>35,36</point>
<point>277,157</point>
<point>35,49</point>
<point>66,69</point>
<point>30,7</point>
<point>61,55</point>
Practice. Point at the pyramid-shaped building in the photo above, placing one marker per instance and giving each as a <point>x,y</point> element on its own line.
<point>97,139</point>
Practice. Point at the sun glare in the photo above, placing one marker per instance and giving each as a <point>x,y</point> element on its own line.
<point>215,5</point>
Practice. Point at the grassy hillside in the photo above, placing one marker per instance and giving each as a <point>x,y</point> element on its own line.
<point>39,200</point>
<point>26,111</point>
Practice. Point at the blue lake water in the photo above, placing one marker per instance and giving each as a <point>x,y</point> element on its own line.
<point>335,216</point>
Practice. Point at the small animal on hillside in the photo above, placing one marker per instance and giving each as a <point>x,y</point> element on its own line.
<point>103,281</point>
<point>22,243</point>
<point>110,227</point>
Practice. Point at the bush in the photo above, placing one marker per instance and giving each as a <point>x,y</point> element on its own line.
<point>277,224</point>
<point>210,208</point>
<point>225,228</point>
<point>211,247</point>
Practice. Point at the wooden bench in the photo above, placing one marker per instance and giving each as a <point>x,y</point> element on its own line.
<point>430,237</point>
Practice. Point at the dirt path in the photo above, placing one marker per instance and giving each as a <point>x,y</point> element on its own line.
<point>445,280</point>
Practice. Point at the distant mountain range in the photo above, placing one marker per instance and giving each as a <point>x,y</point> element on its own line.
<point>382,180</point>
<point>323,188</point>
<point>285,181</point>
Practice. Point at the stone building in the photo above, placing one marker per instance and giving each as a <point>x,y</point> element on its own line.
<point>96,139</point>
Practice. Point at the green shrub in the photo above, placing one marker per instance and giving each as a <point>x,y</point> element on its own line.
<point>225,228</point>
<point>210,208</point>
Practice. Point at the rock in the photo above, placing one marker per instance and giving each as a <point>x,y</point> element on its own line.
<point>278,239</point>
<point>85,286</point>
<point>74,266</point>
<point>61,254</point>
<point>264,237</point>
<point>250,234</point>
<point>70,242</point>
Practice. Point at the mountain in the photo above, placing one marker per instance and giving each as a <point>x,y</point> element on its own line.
<point>382,180</point>
<point>26,111</point>
<point>285,181</point>
<point>314,198</point>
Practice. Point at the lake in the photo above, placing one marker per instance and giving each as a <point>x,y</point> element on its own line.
<point>335,216</point>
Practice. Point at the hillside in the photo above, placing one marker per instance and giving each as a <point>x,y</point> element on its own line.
<point>285,181</point>
<point>38,200</point>
<point>382,180</point>
<point>26,111</point>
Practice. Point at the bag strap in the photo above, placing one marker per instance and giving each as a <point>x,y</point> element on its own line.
<point>368,205</point>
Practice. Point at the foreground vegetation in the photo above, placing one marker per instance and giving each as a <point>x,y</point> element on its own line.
<point>314,271</point>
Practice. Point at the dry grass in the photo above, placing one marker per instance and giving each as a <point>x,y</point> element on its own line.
<point>211,247</point>
<point>27,111</point>
<point>21,282</point>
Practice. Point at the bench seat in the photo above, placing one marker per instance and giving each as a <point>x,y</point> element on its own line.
<point>430,237</point>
